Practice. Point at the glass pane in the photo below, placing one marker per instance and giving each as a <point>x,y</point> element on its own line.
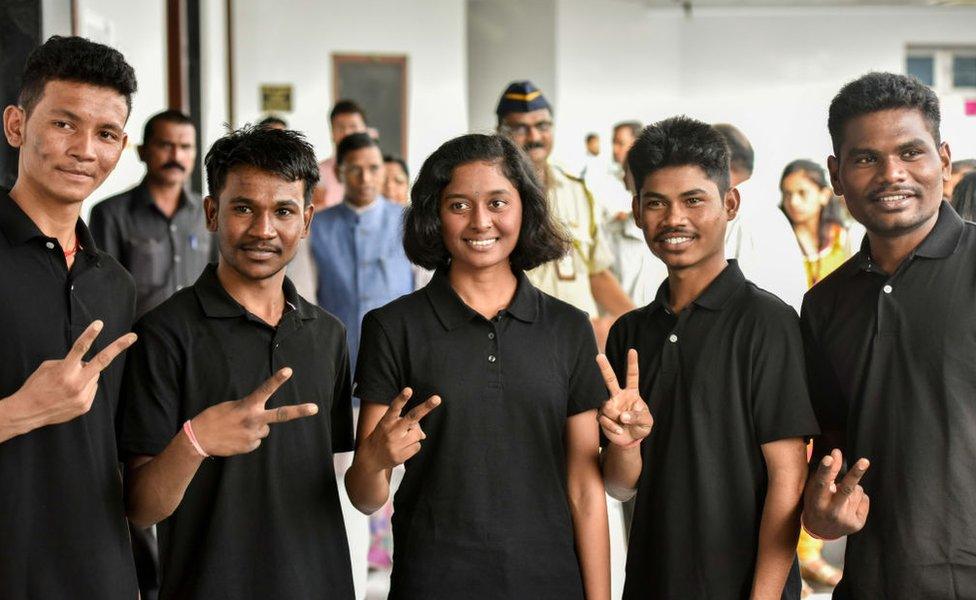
<point>922,67</point>
<point>964,71</point>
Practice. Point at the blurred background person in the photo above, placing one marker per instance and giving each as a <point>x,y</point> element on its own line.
<point>959,169</point>
<point>273,122</point>
<point>346,118</point>
<point>396,187</point>
<point>964,196</point>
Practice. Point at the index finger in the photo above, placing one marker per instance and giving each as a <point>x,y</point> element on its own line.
<point>633,377</point>
<point>84,342</point>
<point>828,470</point>
<point>608,375</point>
<point>396,407</point>
<point>283,414</point>
<point>260,396</point>
<point>420,411</point>
<point>103,359</point>
<point>849,483</point>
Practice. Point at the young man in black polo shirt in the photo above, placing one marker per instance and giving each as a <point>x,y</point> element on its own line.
<point>890,347</point>
<point>62,531</point>
<point>719,470</point>
<point>263,520</point>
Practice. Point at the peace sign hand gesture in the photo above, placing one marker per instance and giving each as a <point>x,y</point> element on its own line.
<point>396,439</point>
<point>831,509</point>
<point>238,426</point>
<point>624,418</point>
<point>61,390</point>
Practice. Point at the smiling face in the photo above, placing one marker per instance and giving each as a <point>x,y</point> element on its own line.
<point>259,219</point>
<point>531,131</point>
<point>890,171</point>
<point>803,200</point>
<point>481,216</point>
<point>683,216</point>
<point>70,142</point>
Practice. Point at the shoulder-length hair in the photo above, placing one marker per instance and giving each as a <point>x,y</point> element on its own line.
<point>540,239</point>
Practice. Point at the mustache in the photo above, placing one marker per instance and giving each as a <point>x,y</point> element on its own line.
<point>898,189</point>
<point>260,248</point>
<point>174,164</point>
<point>532,146</point>
<point>672,230</point>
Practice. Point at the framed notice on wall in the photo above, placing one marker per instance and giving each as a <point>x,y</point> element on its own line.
<point>378,83</point>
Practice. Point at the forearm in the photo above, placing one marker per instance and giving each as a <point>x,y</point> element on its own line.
<point>12,421</point>
<point>621,470</point>
<point>153,490</point>
<point>368,485</point>
<point>608,293</point>
<point>588,507</point>
<point>778,534</point>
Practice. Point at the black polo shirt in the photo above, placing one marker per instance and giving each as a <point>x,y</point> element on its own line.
<point>892,364</point>
<point>482,511</point>
<point>164,254</point>
<point>265,524</point>
<point>721,378</point>
<point>62,530</point>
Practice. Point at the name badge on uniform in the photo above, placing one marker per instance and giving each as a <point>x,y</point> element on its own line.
<point>566,267</point>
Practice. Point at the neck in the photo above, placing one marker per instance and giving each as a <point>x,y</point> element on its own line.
<point>166,195</point>
<point>487,290</point>
<point>55,218</point>
<point>687,284</point>
<point>889,252</point>
<point>264,298</point>
<point>808,235</point>
<point>359,208</point>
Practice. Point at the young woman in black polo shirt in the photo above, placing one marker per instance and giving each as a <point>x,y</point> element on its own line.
<point>502,496</point>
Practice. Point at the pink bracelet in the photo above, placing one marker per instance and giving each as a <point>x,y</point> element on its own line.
<point>188,430</point>
<point>813,535</point>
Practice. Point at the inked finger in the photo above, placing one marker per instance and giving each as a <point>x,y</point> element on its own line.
<point>396,406</point>
<point>609,426</point>
<point>283,414</point>
<point>828,469</point>
<point>853,476</point>
<point>260,396</point>
<point>633,371</point>
<point>84,342</point>
<point>419,412</point>
<point>103,359</point>
<point>609,377</point>
<point>637,418</point>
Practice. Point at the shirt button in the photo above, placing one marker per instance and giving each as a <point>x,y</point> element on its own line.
<point>491,358</point>
<point>176,258</point>
<point>886,289</point>
<point>50,245</point>
<point>672,338</point>
<point>491,335</point>
<point>172,227</point>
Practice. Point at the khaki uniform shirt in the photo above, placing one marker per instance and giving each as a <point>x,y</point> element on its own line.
<point>568,278</point>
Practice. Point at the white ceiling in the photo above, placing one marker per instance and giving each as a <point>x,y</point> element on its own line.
<point>779,3</point>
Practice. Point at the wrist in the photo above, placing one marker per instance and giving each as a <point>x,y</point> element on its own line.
<point>191,438</point>
<point>13,421</point>
<point>816,536</point>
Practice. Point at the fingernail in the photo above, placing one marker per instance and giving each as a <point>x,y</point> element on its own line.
<point>98,325</point>
<point>625,417</point>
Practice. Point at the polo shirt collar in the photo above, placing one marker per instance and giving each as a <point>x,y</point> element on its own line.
<point>941,242</point>
<point>19,228</point>
<point>143,199</point>
<point>715,296</point>
<point>217,303</point>
<point>452,311</point>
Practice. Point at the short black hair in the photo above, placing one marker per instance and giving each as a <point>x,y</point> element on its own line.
<point>282,152</point>
<point>347,107</point>
<point>677,142</point>
<point>353,142</point>
<point>167,116</point>
<point>389,158</point>
<point>882,91</point>
<point>635,127</point>
<point>964,196</point>
<point>78,60</point>
<point>811,169</point>
<point>741,155</point>
<point>271,121</point>
<point>592,136</point>
<point>540,239</point>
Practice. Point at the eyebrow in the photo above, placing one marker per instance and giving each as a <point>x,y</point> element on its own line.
<point>74,117</point>
<point>685,194</point>
<point>488,193</point>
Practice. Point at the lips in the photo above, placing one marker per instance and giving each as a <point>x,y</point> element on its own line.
<point>76,173</point>
<point>675,240</point>
<point>260,252</point>
<point>893,200</point>
<point>481,244</point>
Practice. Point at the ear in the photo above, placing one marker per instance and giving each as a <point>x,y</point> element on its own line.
<point>338,173</point>
<point>833,167</point>
<point>141,151</point>
<point>14,119</point>
<point>210,212</point>
<point>635,209</point>
<point>308,215</point>
<point>945,156</point>
<point>731,202</point>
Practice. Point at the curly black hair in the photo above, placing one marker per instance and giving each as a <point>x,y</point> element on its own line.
<point>680,141</point>
<point>881,91</point>
<point>540,239</point>
<point>282,152</point>
<point>79,60</point>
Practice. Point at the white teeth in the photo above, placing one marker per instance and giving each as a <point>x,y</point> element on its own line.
<point>676,240</point>
<point>481,243</point>
<point>892,198</point>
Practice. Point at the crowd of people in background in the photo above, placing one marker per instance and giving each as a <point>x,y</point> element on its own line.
<point>502,342</point>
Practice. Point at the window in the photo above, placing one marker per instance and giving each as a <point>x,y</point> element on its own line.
<point>922,67</point>
<point>378,83</point>
<point>945,69</point>
<point>964,70</point>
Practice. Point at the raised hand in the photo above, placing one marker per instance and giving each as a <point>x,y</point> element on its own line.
<point>61,390</point>
<point>831,509</point>
<point>624,418</point>
<point>397,438</point>
<point>238,426</point>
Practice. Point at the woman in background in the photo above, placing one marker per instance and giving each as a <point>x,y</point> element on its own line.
<point>964,196</point>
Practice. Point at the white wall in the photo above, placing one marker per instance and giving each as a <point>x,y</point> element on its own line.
<point>772,72</point>
<point>213,73</point>
<point>140,35</point>
<point>293,43</point>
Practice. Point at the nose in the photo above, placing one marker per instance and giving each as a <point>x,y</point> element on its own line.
<point>262,226</point>
<point>533,134</point>
<point>82,147</point>
<point>891,170</point>
<point>480,218</point>
<point>674,215</point>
